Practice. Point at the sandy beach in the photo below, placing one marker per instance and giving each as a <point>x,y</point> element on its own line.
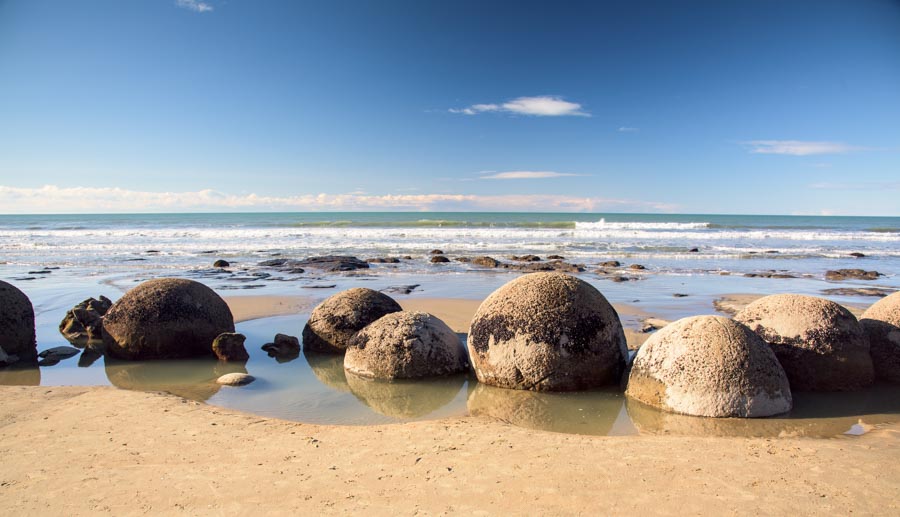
<point>80,451</point>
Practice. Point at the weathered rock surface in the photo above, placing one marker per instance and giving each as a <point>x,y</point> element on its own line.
<point>851,274</point>
<point>610,263</point>
<point>166,318</point>
<point>84,322</point>
<point>439,259</point>
<point>334,321</point>
<point>229,346</point>
<point>547,332</point>
<point>486,262</point>
<point>525,258</point>
<point>235,379</point>
<point>819,343</point>
<point>384,260</point>
<point>709,366</point>
<point>881,323</point>
<point>331,263</point>
<point>637,267</point>
<point>17,336</point>
<point>405,345</point>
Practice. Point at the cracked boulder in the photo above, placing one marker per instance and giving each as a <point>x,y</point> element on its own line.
<point>84,322</point>
<point>547,332</point>
<point>818,342</point>
<point>709,366</point>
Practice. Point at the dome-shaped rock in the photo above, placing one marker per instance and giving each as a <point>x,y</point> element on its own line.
<point>334,321</point>
<point>819,343</point>
<point>16,325</point>
<point>547,332</point>
<point>881,323</point>
<point>709,366</point>
<point>405,345</point>
<point>166,318</point>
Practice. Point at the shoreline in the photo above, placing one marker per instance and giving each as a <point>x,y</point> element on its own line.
<point>149,452</point>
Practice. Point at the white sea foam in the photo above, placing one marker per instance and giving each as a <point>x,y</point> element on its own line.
<point>603,225</point>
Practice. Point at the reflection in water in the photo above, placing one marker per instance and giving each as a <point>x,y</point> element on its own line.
<point>329,369</point>
<point>591,412</point>
<point>406,398</point>
<point>193,379</point>
<point>813,415</point>
<point>20,375</point>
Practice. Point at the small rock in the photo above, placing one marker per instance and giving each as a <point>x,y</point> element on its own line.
<point>555,257</point>
<point>283,346</point>
<point>525,258</point>
<point>229,346</point>
<point>319,286</point>
<point>235,379</point>
<point>637,267</point>
<point>58,353</point>
<point>679,295</point>
<point>435,252</point>
<point>383,260</point>
<point>694,250</point>
<point>858,291</point>
<point>439,259</point>
<point>857,254</point>
<point>221,263</point>
<point>486,262</point>
<point>610,263</point>
<point>400,289</point>
<point>84,322</point>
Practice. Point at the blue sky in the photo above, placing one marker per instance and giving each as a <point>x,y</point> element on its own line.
<point>694,107</point>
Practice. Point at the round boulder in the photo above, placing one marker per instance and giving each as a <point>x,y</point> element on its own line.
<point>709,366</point>
<point>405,345</point>
<point>881,323</point>
<point>334,321</point>
<point>166,318</point>
<point>16,324</point>
<point>547,332</point>
<point>819,343</point>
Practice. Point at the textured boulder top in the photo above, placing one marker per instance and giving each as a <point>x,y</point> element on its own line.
<point>334,321</point>
<point>886,309</point>
<point>820,344</point>
<point>709,366</point>
<point>881,323</point>
<point>405,345</point>
<point>17,337</point>
<point>166,318</point>
<point>547,331</point>
<point>804,321</point>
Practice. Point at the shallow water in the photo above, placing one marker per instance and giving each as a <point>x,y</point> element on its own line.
<point>315,389</point>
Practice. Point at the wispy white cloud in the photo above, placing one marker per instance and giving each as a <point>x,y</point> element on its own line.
<point>540,106</point>
<point>55,199</point>
<point>798,147</point>
<point>862,185</point>
<point>626,129</point>
<point>526,175</point>
<point>197,6</point>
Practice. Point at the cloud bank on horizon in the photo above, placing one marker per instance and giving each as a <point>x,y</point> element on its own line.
<point>55,199</point>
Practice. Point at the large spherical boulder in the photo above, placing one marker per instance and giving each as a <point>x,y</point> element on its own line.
<point>881,323</point>
<point>547,332</point>
<point>166,318</point>
<point>819,343</point>
<point>709,366</point>
<point>334,321</point>
<point>16,325</point>
<point>405,345</point>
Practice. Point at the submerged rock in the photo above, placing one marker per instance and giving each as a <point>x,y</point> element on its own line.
<point>283,347</point>
<point>166,318</point>
<point>221,263</point>
<point>405,345</point>
<point>881,323</point>
<point>709,366</point>
<point>851,274</point>
<point>229,346</point>
<point>84,322</point>
<point>334,321</point>
<point>547,332</point>
<point>819,343</point>
<point>17,337</point>
<point>525,258</point>
<point>439,259</point>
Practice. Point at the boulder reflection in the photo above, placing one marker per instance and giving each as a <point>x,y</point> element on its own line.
<point>406,398</point>
<point>591,412</point>
<point>193,379</point>
<point>814,415</point>
<point>329,369</point>
<point>20,375</point>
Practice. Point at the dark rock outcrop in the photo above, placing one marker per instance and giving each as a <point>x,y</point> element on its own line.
<point>851,274</point>
<point>17,338</point>
<point>221,263</point>
<point>84,322</point>
<point>439,259</point>
<point>229,346</point>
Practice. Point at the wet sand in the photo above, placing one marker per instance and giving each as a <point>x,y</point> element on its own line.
<point>79,451</point>
<point>246,308</point>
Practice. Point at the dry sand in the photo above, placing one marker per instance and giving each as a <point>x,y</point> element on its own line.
<point>79,451</point>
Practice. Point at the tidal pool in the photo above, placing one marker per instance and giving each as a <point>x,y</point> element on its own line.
<point>315,389</point>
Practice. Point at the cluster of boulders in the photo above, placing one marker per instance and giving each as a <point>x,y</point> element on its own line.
<point>545,331</point>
